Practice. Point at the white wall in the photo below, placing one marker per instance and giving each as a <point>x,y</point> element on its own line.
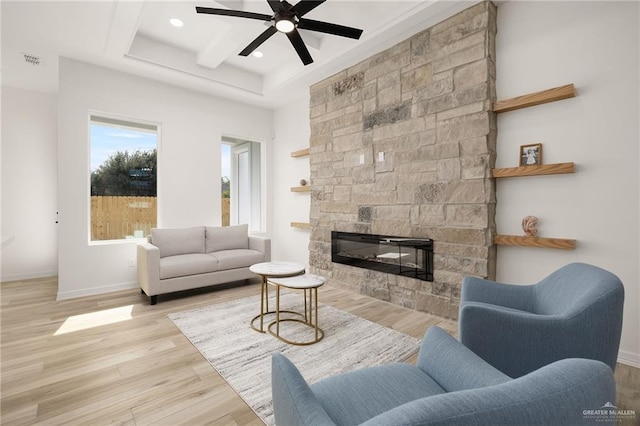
<point>191,128</point>
<point>29,198</point>
<point>291,127</point>
<point>594,45</point>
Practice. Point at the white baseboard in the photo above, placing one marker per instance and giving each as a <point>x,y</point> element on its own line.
<point>629,358</point>
<point>28,276</point>
<point>96,290</point>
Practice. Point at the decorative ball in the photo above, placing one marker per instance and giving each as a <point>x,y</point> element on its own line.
<point>530,226</point>
<point>303,182</point>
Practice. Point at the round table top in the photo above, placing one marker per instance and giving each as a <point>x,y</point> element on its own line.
<point>299,281</point>
<point>277,269</point>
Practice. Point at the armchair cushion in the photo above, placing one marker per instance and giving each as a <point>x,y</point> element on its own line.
<point>556,394</point>
<point>359,395</point>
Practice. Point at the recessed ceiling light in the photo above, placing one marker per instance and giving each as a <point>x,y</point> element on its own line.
<point>258,54</point>
<point>176,22</point>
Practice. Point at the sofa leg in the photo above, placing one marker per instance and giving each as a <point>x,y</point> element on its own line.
<point>154,300</point>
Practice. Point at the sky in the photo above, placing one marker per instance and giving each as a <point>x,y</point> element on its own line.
<point>226,160</point>
<point>107,140</point>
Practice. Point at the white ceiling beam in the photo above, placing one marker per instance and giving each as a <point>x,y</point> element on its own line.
<point>122,30</point>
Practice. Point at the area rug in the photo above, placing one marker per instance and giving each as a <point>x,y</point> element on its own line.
<point>242,356</point>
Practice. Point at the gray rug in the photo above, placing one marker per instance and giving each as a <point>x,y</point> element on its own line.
<point>242,356</point>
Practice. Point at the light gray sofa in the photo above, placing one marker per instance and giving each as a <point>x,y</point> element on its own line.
<point>176,259</point>
<point>449,386</point>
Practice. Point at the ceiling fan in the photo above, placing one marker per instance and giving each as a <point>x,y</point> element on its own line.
<point>287,19</point>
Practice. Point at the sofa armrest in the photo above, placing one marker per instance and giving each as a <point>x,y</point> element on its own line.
<point>148,260</point>
<point>452,365</point>
<point>557,394</point>
<point>261,244</point>
<point>294,403</point>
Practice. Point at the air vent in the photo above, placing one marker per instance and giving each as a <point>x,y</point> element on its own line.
<point>32,59</point>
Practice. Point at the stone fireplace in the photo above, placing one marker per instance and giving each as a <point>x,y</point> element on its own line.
<point>403,144</point>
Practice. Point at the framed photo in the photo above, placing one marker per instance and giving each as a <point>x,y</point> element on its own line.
<point>531,155</point>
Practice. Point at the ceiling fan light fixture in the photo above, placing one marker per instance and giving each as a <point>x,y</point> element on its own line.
<point>285,25</point>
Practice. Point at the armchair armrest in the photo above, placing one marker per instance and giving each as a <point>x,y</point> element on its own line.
<point>454,366</point>
<point>261,244</point>
<point>294,403</point>
<point>556,394</point>
<point>148,260</point>
<point>512,296</point>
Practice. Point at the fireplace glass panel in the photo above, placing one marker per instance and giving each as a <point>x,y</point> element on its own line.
<point>410,257</point>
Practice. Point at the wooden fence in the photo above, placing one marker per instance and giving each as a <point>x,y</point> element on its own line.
<point>226,211</point>
<point>115,218</point>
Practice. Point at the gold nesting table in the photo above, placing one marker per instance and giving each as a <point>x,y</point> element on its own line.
<point>306,282</point>
<point>289,275</point>
<point>267,270</point>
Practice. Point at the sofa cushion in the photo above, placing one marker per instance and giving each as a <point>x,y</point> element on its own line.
<point>174,241</point>
<point>187,264</point>
<point>357,396</point>
<point>238,258</point>
<point>227,238</point>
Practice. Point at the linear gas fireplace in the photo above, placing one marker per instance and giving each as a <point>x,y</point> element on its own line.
<point>409,257</point>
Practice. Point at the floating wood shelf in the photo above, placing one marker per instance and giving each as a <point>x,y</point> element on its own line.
<point>537,98</point>
<point>515,240</point>
<point>306,188</point>
<point>301,225</point>
<point>300,153</point>
<point>543,169</point>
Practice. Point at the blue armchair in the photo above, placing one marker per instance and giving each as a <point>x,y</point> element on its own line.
<point>449,385</point>
<point>576,312</point>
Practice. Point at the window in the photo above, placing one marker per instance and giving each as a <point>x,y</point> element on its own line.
<point>124,175</point>
<point>241,183</point>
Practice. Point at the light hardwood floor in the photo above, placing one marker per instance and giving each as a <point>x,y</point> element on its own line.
<point>64,363</point>
<point>115,359</point>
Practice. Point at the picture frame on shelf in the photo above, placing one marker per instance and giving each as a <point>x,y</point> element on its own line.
<point>531,155</point>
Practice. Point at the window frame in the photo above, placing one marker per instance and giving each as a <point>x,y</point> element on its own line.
<point>122,119</point>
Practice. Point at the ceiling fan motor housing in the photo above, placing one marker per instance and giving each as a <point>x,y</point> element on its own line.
<point>285,21</point>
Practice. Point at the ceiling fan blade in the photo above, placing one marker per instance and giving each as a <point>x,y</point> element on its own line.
<point>237,13</point>
<point>298,44</point>
<point>305,6</point>
<point>258,41</point>
<point>277,6</point>
<point>326,27</point>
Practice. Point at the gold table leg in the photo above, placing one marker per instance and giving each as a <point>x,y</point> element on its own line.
<point>308,318</point>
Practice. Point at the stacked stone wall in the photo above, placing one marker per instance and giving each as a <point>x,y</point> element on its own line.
<point>403,144</point>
